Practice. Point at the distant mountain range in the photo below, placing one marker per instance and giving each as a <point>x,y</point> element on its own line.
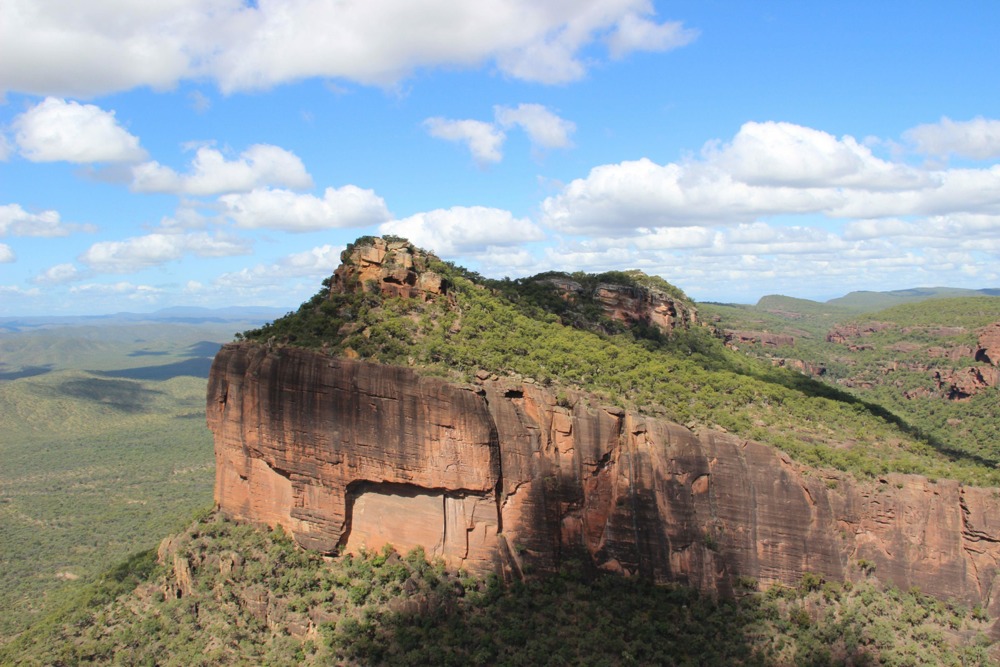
<point>174,315</point>
<point>868,301</point>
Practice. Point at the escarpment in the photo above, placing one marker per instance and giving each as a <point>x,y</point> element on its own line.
<point>504,475</point>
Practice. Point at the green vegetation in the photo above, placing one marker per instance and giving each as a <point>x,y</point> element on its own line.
<point>128,457</point>
<point>252,597</point>
<point>523,328</point>
<point>872,301</point>
<point>895,367</point>
<point>96,464</point>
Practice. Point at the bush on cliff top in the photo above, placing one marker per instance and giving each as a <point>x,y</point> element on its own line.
<point>517,328</point>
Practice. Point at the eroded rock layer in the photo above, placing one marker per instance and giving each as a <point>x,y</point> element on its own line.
<point>500,476</point>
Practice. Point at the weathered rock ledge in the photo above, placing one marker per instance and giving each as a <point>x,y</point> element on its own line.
<point>499,476</point>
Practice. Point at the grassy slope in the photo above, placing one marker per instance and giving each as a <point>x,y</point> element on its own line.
<point>872,301</point>
<point>95,466</point>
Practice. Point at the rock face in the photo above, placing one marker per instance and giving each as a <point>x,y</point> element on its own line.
<point>989,344</point>
<point>632,304</point>
<point>500,476</point>
<point>393,268</point>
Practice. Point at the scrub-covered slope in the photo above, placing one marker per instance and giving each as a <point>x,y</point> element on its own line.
<point>504,433</point>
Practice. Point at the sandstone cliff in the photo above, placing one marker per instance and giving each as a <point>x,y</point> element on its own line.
<point>502,476</point>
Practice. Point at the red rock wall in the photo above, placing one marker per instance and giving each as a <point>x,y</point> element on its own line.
<point>499,477</point>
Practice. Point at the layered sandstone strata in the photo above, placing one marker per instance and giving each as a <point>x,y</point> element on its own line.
<point>500,476</point>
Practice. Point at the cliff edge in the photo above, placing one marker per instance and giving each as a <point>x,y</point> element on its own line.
<point>504,476</point>
<point>503,473</point>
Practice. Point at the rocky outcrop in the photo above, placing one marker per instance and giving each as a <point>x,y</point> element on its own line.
<point>631,304</point>
<point>989,344</point>
<point>736,338</point>
<point>502,476</point>
<point>390,267</point>
<point>846,332</point>
<point>963,383</point>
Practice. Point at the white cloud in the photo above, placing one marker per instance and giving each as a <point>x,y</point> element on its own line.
<point>59,274</point>
<point>978,138</point>
<point>141,252</point>
<point>317,262</point>
<point>15,221</point>
<point>321,260</point>
<point>637,33</point>
<point>464,230</point>
<point>785,154</point>
<point>347,206</point>
<point>549,60</point>
<point>484,140</point>
<point>5,148</point>
<point>643,194</point>
<point>969,231</point>
<point>56,130</point>
<point>768,169</point>
<point>211,173</point>
<point>676,238</point>
<point>14,290</point>
<point>544,128</point>
<point>101,46</point>
<point>142,293</point>
<point>7,254</point>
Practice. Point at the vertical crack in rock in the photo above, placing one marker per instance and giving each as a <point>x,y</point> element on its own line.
<point>970,534</point>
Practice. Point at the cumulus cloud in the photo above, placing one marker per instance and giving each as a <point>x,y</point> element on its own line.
<point>978,138</point>
<point>211,173</point>
<point>464,230</point>
<point>641,194</point>
<point>17,291</point>
<point>768,169</point>
<point>103,46</point>
<point>820,260</point>
<point>15,221</point>
<point>59,274</point>
<point>785,154</point>
<point>347,206</point>
<point>316,262</point>
<point>544,128</point>
<point>142,252</point>
<point>56,130</point>
<point>968,231</point>
<point>119,290</point>
<point>635,32</point>
<point>6,254</point>
<point>484,140</point>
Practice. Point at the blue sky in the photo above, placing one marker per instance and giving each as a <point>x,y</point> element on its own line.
<point>220,152</point>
